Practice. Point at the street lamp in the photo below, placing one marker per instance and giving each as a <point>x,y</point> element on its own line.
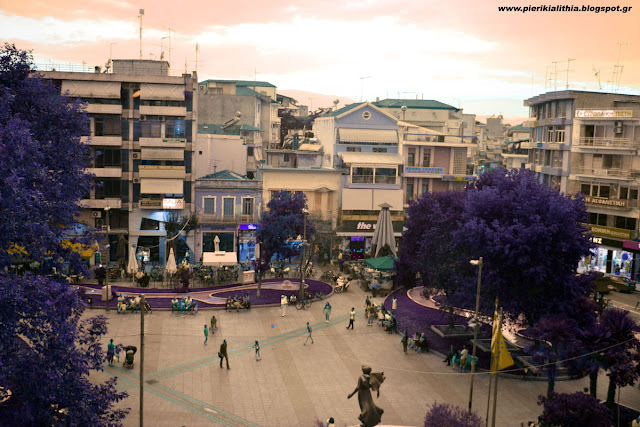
<point>304,245</point>
<point>108,247</point>
<point>477,262</point>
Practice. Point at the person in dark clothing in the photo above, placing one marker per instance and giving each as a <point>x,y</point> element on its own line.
<point>405,341</point>
<point>222,354</point>
<point>449,356</point>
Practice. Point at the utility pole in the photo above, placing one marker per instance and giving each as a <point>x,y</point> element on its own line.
<point>475,328</point>
<point>568,66</point>
<point>142,305</point>
<point>107,263</point>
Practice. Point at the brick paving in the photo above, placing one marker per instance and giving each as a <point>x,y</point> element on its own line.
<point>293,385</point>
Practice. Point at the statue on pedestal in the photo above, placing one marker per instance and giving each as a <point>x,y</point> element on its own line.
<point>370,414</point>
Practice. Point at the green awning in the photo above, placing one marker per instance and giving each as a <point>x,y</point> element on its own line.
<point>384,263</point>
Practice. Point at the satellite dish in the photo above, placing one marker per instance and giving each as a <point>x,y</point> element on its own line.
<point>403,108</point>
<point>336,101</point>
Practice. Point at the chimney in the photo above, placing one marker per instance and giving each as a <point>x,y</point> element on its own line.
<point>97,69</point>
<point>377,99</point>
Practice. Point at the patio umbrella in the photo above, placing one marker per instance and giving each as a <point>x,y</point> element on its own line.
<point>132,267</point>
<point>384,232</point>
<point>170,267</point>
<point>122,252</point>
<point>374,285</point>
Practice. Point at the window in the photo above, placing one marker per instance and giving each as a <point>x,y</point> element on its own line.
<point>163,103</point>
<point>625,223</point>
<point>379,150</point>
<point>596,190</point>
<point>317,201</point>
<point>249,151</point>
<point>150,128</point>
<point>561,110</point>
<point>149,224</point>
<point>559,134</point>
<point>627,193</point>
<point>411,157</point>
<point>175,128</point>
<point>597,219</point>
<point>107,126</point>
<point>227,206</point>
<point>107,157</point>
<point>247,206</point>
<point>409,192</point>
<point>550,134</point>
<point>354,149</point>
<point>226,244</point>
<point>386,175</point>
<point>426,159</point>
<point>547,158</point>
<point>362,175</point>
<point>425,188</point>
<point>366,115</point>
<point>108,187</point>
<point>556,159</point>
<point>209,205</point>
<point>286,158</point>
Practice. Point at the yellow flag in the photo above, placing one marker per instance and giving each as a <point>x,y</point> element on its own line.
<point>500,357</point>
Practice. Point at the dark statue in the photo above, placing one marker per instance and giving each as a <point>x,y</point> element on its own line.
<point>370,414</point>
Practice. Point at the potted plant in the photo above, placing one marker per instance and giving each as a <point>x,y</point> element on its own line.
<point>101,274</point>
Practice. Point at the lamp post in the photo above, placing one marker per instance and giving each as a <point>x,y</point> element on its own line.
<point>304,244</point>
<point>108,247</point>
<point>477,262</point>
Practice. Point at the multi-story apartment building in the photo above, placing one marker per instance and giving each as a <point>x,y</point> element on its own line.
<point>433,161</point>
<point>227,147</point>
<point>515,154</point>
<point>588,142</point>
<point>363,141</point>
<point>141,133</point>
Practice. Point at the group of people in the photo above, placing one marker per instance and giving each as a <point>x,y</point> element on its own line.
<point>386,318</point>
<point>417,342</point>
<point>460,359</point>
<point>132,303</point>
<point>186,304</point>
<point>237,303</point>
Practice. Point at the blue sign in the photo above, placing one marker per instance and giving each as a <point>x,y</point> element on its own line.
<point>249,226</point>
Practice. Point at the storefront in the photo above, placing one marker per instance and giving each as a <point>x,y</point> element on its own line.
<point>612,255</point>
<point>355,236</point>
<point>247,242</point>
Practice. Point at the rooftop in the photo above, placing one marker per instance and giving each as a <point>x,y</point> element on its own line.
<point>213,129</point>
<point>428,104</point>
<point>241,83</point>
<point>225,174</point>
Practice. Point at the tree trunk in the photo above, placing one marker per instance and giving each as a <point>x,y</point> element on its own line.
<point>450,317</point>
<point>593,383</point>
<point>552,380</point>
<point>259,283</point>
<point>611,393</point>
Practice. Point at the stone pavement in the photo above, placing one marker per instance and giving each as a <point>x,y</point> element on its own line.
<point>293,385</point>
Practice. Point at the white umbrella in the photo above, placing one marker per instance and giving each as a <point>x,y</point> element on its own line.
<point>132,266</point>
<point>384,231</point>
<point>170,267</point>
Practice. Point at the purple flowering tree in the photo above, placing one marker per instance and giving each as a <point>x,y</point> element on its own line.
<point>446,415</point>
<point>576,409</point>
<point>283,221</point>
<point>47,350</point>
<point>428,247</point>
<point>531,239</point>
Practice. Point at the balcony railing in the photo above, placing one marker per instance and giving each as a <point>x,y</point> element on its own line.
<point>614,173</point>
<point>383,179</point>
<point>607,142</point>
<point>362,179</point>
<point>228,219</point>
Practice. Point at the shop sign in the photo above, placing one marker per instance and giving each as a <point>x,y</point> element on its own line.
<point>604,114</point>
<point>606,202</point>
<point>172,203</point>
<point>150,203</point>
<point>459,177</point>
<point>368,226</point>
<point>249,226</point>
<point>423,171</point>
<point>174,140</point>
<point>611,232</point>
<point>633,245</point>
<point>596,240</point>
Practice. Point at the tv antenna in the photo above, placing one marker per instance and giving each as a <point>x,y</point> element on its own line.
<point>311,103</point>
<point>171,30</point>
<point>617,69</point>
<point>362,85</point>
<point>568,66</point>
<point>597,74</point>
<point>140,17</point>
<point>555,74</point>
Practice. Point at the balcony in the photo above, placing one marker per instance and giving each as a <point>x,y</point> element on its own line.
<point>109,172</point>
<point>113,141</point>
<point>228,219</point>
<point>624,174</point>
<point>441,140</point>
<point>147,171</point>
<point>153,110</point>
<point>608,143</point>
<point>163,142</point>
<point>111,203</point>
<point>104,108</point>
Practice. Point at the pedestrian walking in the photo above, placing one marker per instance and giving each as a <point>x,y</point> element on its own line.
<point>118,349</point>
<point>352,317</point>
<point>405,341</point>
<point>394,305</point>
<point>111,348</point>
<point>257,347</point>
<point>327,311</point>
<point>367,304</point>
<point>331,422</point>
<point>309,337</point>
<point>283,304</point>
<point>206,334</point>
<point>372,315</point>
<point>222,354</point>
<point>214,324</point>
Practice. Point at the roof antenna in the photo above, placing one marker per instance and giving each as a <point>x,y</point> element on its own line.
<point>597,74</point>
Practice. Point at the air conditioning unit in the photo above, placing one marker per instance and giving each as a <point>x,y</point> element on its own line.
<point>618,128</point>
<point>143,117</point>
<point>203,88</point>
<point>161,118</point>
<point>99,223</point>
<point>96,214</point>
<point>104,228</point>
<point>136,156</point>
<point>136,180</point>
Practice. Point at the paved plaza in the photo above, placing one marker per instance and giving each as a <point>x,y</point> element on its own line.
<point>294,384</point>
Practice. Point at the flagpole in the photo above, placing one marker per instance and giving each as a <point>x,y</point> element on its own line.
<point>491,368</point>
<point>495,387</point>
<point>475,329</point>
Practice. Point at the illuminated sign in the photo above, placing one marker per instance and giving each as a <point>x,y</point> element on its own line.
<point>611,232</point>
<point>604,114</point>
<point>606,202</point>
<point>459,177</point>
<point>627,244</point>
<point>423,171</point>
<point>249,226</point>
<point>172,203</point>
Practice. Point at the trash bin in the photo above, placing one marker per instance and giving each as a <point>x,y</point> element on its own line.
<point>104,293</point>
<point>248,276</point>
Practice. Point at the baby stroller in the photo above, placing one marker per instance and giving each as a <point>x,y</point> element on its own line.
<point>129,352</point>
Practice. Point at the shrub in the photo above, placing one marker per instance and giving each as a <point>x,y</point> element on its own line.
<point>445,415</point>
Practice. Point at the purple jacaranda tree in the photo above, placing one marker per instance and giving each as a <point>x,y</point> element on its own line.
<point>622,355</point>
<point>283,222</point>
<point>592,342</point>
<point>47,350</point>
<point>428,247</point>
<point>576,409</point>
<point>446,415</point>
<point>531,238</point>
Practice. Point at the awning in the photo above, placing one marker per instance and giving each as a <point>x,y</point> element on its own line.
<point>162,92</point>
<point>86,89</point>
<point>161,186</point>
<point>384,263</point>
<point>353,158</point>
<point>162,154</point>
<point>219,259</point>
<point>388,136</point>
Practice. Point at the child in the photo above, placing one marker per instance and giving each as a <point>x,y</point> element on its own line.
<point>118,349</point>
<point>257,347</point>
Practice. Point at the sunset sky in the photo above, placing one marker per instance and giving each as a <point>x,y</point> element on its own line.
<point>461,52</point>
